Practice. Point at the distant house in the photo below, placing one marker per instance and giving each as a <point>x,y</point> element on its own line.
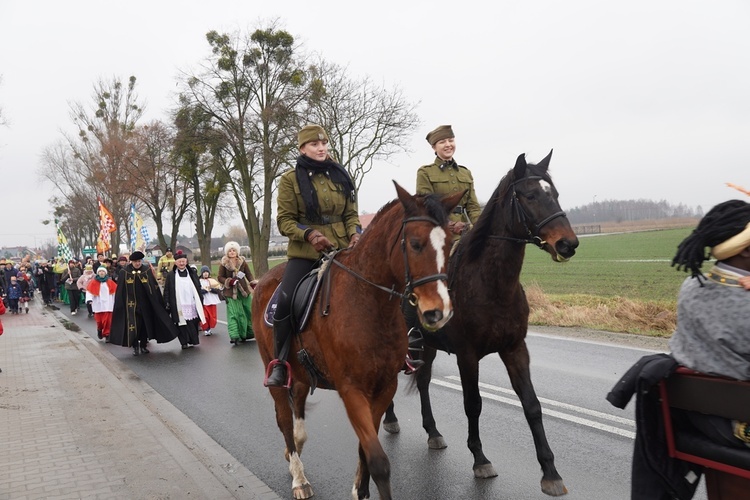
<point>16,253</point>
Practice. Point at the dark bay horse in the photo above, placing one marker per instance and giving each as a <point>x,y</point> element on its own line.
<point>490,308</point>
<point>358,348</point>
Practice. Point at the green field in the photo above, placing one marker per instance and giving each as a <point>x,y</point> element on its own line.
<point>636,266</point>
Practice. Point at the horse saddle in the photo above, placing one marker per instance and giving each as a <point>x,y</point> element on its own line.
<point>303,299</point>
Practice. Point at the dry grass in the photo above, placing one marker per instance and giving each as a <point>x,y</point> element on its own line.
<point>614,314</point>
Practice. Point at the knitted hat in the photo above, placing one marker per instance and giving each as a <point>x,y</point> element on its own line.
<point>180,255</point>
<point>88,267</point>
<point>122,258</point>
<point>310,133</point>
<point>205,269</point>
<point>101,270</point>
<point>440,133</point>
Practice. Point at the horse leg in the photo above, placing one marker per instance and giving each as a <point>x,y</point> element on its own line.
<point>469,370</point>
<point>517,364</point>
<point>435,440</point>
<point>301,487</point>
<point>298,398</point>
<point>372,458</point>
<point>390,422</point>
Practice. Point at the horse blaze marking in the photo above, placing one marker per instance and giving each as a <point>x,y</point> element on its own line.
<point>546,186</point>
<point>438,240</point>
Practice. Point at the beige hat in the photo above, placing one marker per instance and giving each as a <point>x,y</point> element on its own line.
<point>440,133</point>
<point>733,246</point>
<point>311,133</point>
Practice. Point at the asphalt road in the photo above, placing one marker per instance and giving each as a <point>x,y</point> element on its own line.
<point>219,387</point>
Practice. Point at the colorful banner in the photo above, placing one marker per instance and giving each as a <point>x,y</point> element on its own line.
<point>63,250</point>
<point>138,232</point>
<point>107,226</point>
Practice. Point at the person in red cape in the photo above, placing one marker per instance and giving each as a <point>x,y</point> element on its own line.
<point>100,295</point>
<point>139,313</point>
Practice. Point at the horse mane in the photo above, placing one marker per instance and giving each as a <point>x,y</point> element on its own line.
<point>477,237</point>
<point>431,203</point>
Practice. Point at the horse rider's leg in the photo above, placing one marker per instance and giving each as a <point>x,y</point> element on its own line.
<point>294,271</point>
<point>469,370</point>
<point>362,418</point>
<point>301,487</point>
<point>435,440</point>
<point>517,364</point>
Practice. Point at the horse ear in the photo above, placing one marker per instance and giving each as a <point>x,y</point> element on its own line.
<point>451,201</point>
<point>407,200</point>
<point>545,162</point>
<point>520,169</point>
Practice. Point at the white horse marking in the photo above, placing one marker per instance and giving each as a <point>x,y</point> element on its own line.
<point>546,186</point>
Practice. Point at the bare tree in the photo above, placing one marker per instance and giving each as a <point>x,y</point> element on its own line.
<point>157,182</point>
<point>365,122</point>
<point>252,88</point>
<point>199,150</point>
<point>104,131</point>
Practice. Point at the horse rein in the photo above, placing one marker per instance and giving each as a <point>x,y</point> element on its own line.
<point>410,285</point>
<point>523,217</point>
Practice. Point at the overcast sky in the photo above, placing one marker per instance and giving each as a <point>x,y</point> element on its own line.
<point>639,99</point>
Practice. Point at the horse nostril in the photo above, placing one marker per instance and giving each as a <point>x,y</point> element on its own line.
<point>565,248</point>
<point>433,316</point>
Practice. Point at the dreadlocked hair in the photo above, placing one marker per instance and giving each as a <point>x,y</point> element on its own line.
<point>720,223</point>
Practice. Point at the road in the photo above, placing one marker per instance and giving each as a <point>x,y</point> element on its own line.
<point>219,387</point>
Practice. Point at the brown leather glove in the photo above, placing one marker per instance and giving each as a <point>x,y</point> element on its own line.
<point>319,242</point>
<point>354,240</point>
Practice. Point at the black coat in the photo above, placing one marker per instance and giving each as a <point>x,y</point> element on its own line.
<point>655,476</point>
<point>138,294</point>
<point>171,297</point>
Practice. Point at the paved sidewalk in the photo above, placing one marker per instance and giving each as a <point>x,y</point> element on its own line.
<point>77,423</point>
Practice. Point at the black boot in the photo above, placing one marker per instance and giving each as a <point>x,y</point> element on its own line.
<point>277,372</point>
<point>136,349</point>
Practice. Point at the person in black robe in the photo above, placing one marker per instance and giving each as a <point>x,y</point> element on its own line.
<point>139,313</point>
<point>184,300</point>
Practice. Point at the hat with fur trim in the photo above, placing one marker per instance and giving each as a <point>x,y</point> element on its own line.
<point>231,245</point>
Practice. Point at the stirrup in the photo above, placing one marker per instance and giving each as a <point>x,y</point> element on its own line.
<point>411,365</point>
<point>269,369</point>
<point>416,340</point>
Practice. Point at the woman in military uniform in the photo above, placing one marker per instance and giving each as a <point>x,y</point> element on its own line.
<point>317,211</point>
<point>445,176</point>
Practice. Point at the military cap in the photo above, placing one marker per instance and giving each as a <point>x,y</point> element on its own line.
<point>440,133</point>
<point>310,133</point>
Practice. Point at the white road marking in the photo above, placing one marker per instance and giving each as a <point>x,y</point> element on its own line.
<point>551,413</point>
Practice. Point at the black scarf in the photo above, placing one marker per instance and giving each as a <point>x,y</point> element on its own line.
<point>306,167</point>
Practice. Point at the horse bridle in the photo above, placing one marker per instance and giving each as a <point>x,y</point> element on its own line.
<point>408,293</point>
<point>523,218</point>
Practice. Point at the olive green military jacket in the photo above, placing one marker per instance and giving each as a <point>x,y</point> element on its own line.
<point>449,180</point>
<point>335,204</point>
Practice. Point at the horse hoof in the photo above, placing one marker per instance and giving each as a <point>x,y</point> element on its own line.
<point>436,443</point>
<point>391,427</point>
<point>302,492</point>
<point>484,471</point>
<point>554,488</point>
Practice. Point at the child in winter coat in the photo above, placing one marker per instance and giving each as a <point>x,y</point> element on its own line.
<point>210,290</point>
<point>83,283</point>
<point>14,292</point>
<point>100,293</point>
<point>23,301</point>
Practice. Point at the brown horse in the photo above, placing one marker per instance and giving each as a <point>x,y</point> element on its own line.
<point>359,347</point>
<point>490,308</point>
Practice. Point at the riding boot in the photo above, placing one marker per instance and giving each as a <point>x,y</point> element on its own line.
<point>276,373</point>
